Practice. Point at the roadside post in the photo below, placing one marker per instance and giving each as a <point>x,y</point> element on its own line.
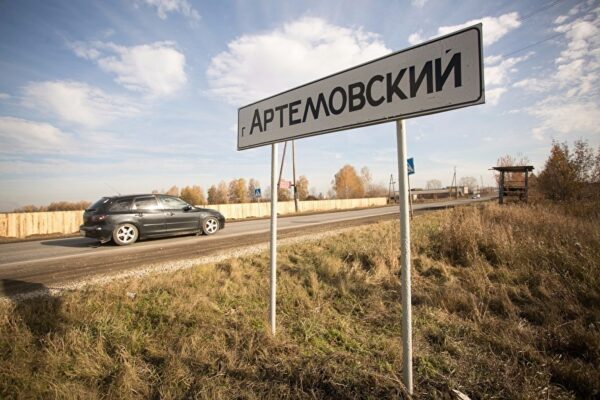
<point>410,171</point>
<point>440,75</point>
<point>273,257</point>
<point>405,254</point>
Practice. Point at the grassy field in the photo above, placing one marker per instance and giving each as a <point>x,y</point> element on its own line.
<point>506,305</point>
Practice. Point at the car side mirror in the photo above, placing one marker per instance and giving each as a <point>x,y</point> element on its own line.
<point>187,208</point>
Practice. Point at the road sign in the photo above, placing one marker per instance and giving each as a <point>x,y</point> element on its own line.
<point>257,192</point>
<point>410,163</point>
<point>285,184</point>
<point>439,75</point>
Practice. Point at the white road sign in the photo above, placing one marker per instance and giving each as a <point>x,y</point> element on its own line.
<point>439,75</point>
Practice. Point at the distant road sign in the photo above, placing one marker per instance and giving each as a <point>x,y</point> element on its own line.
<point>411,166</point>
<point>439,75</point>
<point>285,184</point>
<point>257,192</point>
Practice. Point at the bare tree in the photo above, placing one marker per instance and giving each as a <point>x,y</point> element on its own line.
<point>302,187</point>
<point>433,184</point>
<point>253,184</point>
<point>468,181</point>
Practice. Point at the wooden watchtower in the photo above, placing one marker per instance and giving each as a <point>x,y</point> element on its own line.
<point>512,183</point>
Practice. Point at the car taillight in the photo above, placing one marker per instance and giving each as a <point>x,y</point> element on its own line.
<point>98,218</point>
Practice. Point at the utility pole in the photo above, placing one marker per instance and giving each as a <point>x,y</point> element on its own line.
<point>281,168</point>
<point>392,189</point>
<point>296,205</point>
<point>454,183</point>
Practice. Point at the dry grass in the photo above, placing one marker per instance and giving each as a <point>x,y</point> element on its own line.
<point>507,305</point>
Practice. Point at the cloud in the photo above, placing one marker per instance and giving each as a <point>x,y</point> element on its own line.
<point>497,69</point>
<point>582,37</point>
<point>20,135</point>
<point>418,3</point>
<point>497,75</point>
<point>566,116</point>
<point>415,38</point>
<point>492,96</point>
<point>571,105</point>
<point>164,7</point>
<point>77,102</point>
<point>494,28</point>
<point>533,84</point>
<point>156,69</point>
<point>260,65</point>
<point>4,96</point>
<point>560,19</point>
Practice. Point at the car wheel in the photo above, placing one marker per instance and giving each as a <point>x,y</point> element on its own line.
<point>125,234</point>
<point>210,226</point>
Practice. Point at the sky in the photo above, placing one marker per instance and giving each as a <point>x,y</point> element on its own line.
<point>129,96</point>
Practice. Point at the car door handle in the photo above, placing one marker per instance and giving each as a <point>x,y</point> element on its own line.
<point>170,213</point>
<point>139,214</point>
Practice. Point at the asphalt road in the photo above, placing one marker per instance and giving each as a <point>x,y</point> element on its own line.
<point>35,265</point>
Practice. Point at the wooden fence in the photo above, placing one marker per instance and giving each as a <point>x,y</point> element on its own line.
<point>22,225</point>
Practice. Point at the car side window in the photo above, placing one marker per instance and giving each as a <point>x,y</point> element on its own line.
<point>145,203</point>
<point>121,205</point>
<point>172,203</point>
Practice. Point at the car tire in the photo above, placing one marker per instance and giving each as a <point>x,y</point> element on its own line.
<point>210,226</point>
<point>125,234</point>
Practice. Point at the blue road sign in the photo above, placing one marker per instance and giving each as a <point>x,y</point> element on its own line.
<point>411,166</point>
<point>257,192</point>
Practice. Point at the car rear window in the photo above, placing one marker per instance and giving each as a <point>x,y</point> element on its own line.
<point>146,203</point>
<point>121,205</point>
<point>99,204</point>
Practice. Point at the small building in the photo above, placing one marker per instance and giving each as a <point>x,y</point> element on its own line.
<point>513,182</point>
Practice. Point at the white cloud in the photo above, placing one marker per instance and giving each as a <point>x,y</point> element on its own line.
<point>582,36</point>
<point>492,96</point>
<point>20,135</point>
<point>497,69</point>
<point>163,7</point>
<point>418,3</point>
<point>573,103</point>
<point>155,69</point>
<point>560,19</point>
<point>260,65</point>
<point>4,96</point>
<point>82,50</point>
<point>497,76</point>
<point>533,84</point>
<point>77,102</point>
<point>494,28</point>
<point>415,38</point>
<point>565,116</point>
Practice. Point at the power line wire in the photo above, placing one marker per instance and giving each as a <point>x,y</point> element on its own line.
<point>527,16</point>
<point>543,8</point>
<point>533,44</point>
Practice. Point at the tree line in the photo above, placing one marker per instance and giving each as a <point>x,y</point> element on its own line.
<point>347,183</point>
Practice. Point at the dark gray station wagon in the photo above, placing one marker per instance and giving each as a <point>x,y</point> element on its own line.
<point>125,219</point>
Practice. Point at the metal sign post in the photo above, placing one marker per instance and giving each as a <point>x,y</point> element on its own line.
<point>273,283</point>
<point>405,257</point>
